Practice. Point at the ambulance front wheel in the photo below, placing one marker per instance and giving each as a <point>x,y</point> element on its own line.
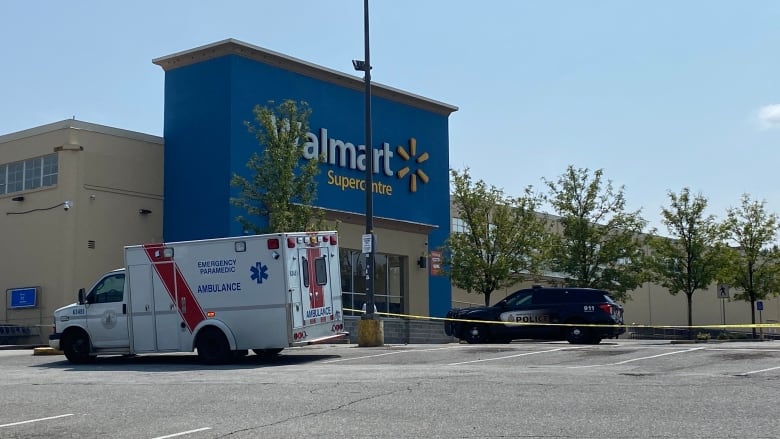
<point>213,347</point>
<point>75,346</point>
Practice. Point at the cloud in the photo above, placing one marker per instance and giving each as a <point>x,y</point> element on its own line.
<point>769,115</point>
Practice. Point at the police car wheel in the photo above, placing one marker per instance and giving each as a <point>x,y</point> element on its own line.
<point>213,347</point>
<point>578,335</point>
<point>76,347</point>
<point>475,334</point>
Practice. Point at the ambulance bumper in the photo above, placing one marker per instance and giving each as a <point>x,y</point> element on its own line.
<point>54,341</point>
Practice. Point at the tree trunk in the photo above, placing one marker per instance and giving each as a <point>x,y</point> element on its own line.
<point>487,298</point>
<point>690,314</point>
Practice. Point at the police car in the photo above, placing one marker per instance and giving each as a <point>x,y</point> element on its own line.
<point>579,315</point>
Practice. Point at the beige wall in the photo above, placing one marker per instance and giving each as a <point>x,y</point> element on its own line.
<point>108,175</point>
<point>405,243</point>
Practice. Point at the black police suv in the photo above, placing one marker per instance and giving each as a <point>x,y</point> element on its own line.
<point>540,313</point>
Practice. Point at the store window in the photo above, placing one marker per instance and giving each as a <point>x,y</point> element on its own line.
<point>389,294</point>
<point>28,174</point>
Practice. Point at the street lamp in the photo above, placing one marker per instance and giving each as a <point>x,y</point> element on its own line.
<point>365,67</point>
<point>370,330</point>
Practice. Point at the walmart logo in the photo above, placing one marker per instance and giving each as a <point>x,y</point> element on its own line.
<point>417,160</point>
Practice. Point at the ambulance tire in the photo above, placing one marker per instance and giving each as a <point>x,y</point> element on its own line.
<point>213,347</point>
<point>75,345</point>
<point>267,353</point>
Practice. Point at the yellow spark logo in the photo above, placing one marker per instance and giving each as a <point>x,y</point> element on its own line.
<point>412,155</point>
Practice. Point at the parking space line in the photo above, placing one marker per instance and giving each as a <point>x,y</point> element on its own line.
<point>389,353</point>
<point>183,433</point>
<point>757,371</point>
<point>510,356</point>
<point>637,359</point>
<point>35,420</point>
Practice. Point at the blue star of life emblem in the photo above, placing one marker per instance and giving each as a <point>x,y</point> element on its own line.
<point>259,272</point>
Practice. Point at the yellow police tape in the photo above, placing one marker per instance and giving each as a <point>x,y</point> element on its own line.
<point>493,322</point>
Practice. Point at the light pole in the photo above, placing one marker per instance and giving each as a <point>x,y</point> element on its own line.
<point>365,67</point>
<point>370,330</point>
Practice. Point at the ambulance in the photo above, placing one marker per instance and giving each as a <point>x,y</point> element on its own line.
<point>220,297</point>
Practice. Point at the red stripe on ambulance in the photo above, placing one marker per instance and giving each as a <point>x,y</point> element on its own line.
<point>175,285</point>
<point>316,292</point>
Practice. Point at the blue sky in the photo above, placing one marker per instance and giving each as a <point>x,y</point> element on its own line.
<point>661,95</point>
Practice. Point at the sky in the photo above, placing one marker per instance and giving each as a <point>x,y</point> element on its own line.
<point>660,95</point>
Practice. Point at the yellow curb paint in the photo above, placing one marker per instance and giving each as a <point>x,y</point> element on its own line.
<point>46,351</point>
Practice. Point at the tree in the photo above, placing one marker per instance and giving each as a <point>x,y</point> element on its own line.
<point>279,195</point>
<point>756,260</point>
<point>693,254</point>
<point>600,244</point>
<point>502,241</point>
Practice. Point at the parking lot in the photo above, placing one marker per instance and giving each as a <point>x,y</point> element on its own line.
<point>618,389</point>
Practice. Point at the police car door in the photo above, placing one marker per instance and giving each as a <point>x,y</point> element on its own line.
<point>520,310</point>
<point>107,312</point>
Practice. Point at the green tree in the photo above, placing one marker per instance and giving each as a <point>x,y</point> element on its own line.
<point>755,262</point>
<point>503,238</point>
<point>599,244</point>
<point>691,257</point>
<point>279,194</point>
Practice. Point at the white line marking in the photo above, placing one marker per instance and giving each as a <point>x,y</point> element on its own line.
<point>389,353</point>
<point>35,420</point>
<point>740,374</point>
<point>183,433</point>
<point>510,356</point>
<point>637,359</point>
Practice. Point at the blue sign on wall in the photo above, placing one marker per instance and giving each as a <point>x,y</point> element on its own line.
<point>23,297</point>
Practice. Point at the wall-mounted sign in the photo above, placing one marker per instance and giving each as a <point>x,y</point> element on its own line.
<point>436,262</point>
<point>23,297</point>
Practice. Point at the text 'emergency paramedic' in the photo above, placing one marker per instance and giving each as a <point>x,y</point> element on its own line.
<point>217,266</point>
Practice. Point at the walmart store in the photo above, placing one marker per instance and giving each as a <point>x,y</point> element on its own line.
<point>179,189</point>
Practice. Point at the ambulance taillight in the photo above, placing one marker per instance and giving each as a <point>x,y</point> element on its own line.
<point>332,239</point>
<point>290,242</point>
<point>273,244</point>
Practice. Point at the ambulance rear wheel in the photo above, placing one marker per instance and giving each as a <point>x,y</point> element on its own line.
<point>213,347</point>
<point>75,345</point>
<point>267,353</point>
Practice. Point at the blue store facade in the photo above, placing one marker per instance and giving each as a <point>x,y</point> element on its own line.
<point>210,92</point>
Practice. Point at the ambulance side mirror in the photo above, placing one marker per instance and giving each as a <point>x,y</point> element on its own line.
<point>82,300</point>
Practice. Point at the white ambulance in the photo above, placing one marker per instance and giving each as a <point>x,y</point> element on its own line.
<point>221,297</point>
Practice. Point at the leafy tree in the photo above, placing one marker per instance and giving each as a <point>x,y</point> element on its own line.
<point>503,239</point>
<point>599,244</point>
<point>693,254</point>
<point>755,263</point>
<point>282,187</point>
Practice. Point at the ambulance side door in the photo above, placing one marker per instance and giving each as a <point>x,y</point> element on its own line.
<point>107,312</point>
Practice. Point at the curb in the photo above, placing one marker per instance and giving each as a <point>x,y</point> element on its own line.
<point>17,347</point>
<point>46,351</point>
